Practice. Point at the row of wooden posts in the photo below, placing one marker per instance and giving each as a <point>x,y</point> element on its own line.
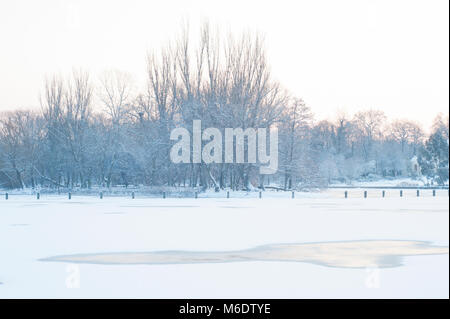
<point>383,194</point>
<point>38,196</point>
<point>69,195</point>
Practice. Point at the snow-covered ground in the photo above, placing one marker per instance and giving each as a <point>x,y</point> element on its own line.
<point>384,182</point>
<point>32,232</point>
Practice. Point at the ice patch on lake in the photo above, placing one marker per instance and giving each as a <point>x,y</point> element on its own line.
<point>347,254</point>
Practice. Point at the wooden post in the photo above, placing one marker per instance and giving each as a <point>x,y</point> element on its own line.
<point>401,193</point>
<point>365,194</point>
<point>293,194</point>
<point>164,194</point>
<point>260,194</point>
<point>70,195</point>
<point>196,195</point>
<point>383,193</point>
<point>228,194</point>
<point>434,192</point>
<point>101,195</point>
<point>6,196</point>
<point>132,195</point>
<point>346,194</point>
<point>38,195</point>
<point>418,193</point>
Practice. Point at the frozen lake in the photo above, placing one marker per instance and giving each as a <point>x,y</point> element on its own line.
<point>313,246</point>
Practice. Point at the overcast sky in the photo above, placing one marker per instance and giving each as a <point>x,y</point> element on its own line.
<point>349,55</point>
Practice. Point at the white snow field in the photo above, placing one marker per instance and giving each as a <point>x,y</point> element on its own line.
<point>117,247</point>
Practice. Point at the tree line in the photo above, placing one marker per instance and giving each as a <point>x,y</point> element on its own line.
<point>105,132</point>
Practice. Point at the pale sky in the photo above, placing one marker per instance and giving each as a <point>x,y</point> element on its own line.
<point>336,54</point>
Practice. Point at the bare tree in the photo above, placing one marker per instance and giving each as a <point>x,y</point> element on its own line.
<point>116,91</point>
<point>369,124</point>
<point>406,132</point>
